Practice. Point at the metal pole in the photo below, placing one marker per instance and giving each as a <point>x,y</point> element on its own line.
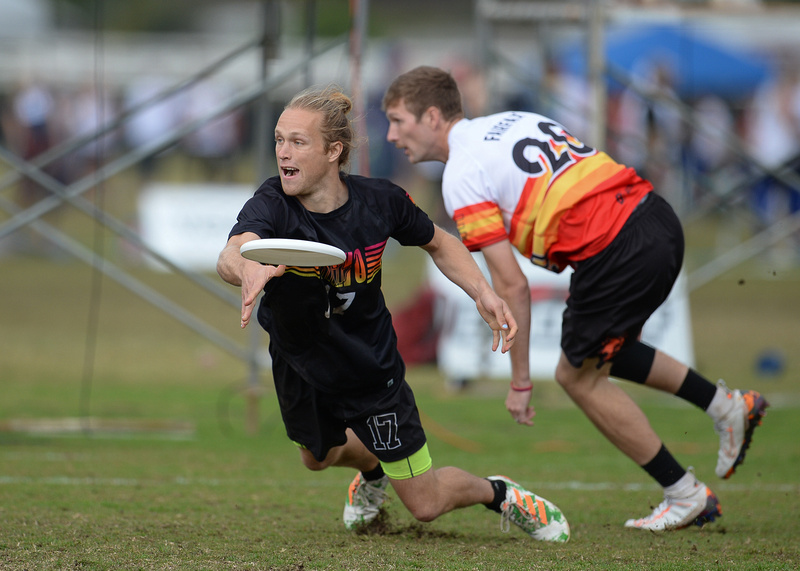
<point>597,82</point>
<point>358,29</point>
<point>311,30</point>
<point>269,39</point>
<point>483,33</point>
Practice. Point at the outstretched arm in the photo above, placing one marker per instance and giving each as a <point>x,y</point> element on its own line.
<point>249,275</point>
<point>512,285</point>
<point>457,264</point>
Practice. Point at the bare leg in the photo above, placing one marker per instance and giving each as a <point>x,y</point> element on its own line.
<point>437,492</point>
<point>610,408</point>
<point>667,374</point>
<point>352,454</point>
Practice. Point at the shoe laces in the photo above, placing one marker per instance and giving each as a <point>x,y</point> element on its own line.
<point>367,493</point>
<point>507,515</point>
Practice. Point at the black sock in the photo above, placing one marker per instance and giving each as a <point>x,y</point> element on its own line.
<point>664,468</point>
<point>374,474</point>
<point>697,390</point>
<point>499,487</point>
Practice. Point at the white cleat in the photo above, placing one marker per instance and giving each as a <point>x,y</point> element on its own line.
<point>364,501</point>
<point>736,428</point>
<point>699,508</point>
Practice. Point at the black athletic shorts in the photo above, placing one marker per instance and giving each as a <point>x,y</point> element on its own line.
<point>386,421</point>
<point>613,293</point>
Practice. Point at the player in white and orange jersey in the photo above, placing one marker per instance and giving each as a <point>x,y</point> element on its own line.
<point>520,180</point>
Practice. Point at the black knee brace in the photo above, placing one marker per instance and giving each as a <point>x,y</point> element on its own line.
<point>633,363</point>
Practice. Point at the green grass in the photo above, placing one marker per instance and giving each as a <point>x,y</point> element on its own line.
<point>226,498</point>
<point>241,502</point>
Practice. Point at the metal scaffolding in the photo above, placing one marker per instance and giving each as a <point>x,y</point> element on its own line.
<point>589,17</point>
<point>257,94</point>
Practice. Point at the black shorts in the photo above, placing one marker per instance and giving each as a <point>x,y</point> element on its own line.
<point>386,421</point>
<point>613,293</point>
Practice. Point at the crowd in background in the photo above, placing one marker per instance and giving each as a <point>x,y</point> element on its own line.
<point>37,116</point>
<point>709,148</point>
<point>702,150</point>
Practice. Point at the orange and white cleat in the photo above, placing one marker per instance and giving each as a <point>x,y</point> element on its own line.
<point>699,507</point>
<point>736,428</point>
<point>538,517</point>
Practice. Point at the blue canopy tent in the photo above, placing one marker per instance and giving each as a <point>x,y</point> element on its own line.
<point>700,65</point>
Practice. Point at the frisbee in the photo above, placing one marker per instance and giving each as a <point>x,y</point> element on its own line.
<point>303,253</point>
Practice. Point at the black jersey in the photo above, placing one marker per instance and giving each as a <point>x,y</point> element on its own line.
<point>331,323</point>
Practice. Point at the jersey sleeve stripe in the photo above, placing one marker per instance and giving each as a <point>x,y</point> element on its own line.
<point>480,225</point>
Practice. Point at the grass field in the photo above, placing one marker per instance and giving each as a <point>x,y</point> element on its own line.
<point>168,477</point>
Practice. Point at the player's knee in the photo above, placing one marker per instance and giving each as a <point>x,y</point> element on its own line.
<point>314,466</point>
<point>421,504</point>
<point>575,382</point>
<point>312,463</point>
<point>423,511</point>
<point>565,375</point>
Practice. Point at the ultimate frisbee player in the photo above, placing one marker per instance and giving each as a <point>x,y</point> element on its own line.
<point>339,378</point>
<point>520,180</point>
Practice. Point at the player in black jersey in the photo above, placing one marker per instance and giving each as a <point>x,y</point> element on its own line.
<point>339,378</point>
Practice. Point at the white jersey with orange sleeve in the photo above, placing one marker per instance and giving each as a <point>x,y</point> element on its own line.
<point>522,177</point>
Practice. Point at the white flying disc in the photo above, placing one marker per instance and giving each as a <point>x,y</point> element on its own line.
<point>304,253</point>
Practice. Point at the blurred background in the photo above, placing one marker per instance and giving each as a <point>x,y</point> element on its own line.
<point>132,132</point>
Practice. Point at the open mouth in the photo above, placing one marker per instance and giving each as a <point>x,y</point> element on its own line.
<point>289,172</point>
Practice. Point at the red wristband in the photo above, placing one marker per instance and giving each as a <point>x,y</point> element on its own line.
<point>519,390</point>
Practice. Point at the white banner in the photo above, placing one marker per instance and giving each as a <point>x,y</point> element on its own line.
<point>189,223</point>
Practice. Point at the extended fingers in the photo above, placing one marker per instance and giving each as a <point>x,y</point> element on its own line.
<point>254,278</point>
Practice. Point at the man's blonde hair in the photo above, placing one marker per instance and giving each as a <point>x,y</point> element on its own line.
<point>333,105</point>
